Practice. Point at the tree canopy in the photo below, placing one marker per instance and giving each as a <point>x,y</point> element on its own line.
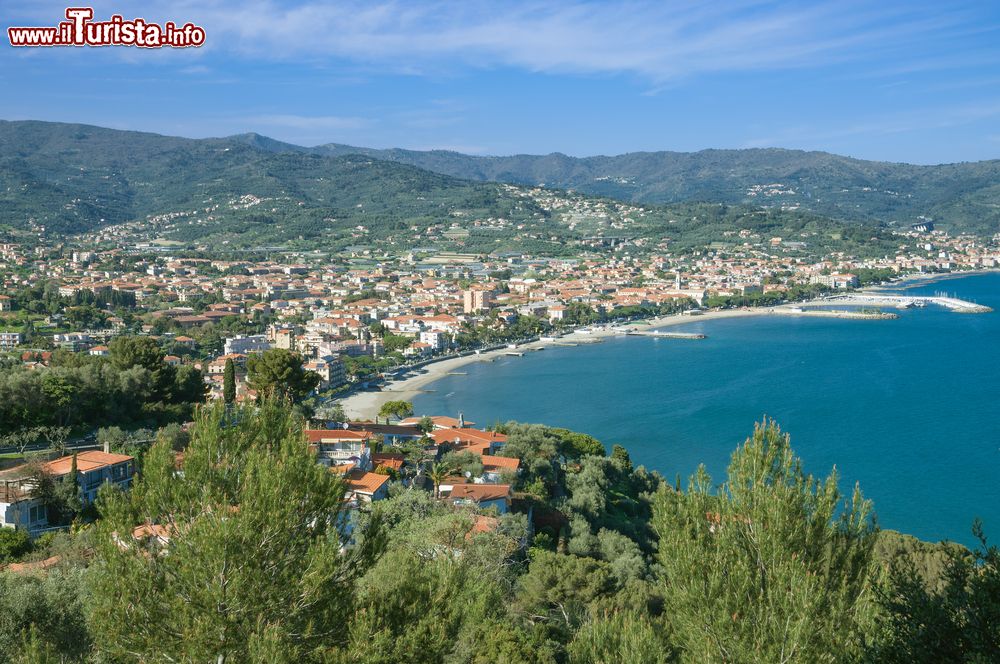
<point>237,559</point>
<point>280,373</point>
<point>771,567</point>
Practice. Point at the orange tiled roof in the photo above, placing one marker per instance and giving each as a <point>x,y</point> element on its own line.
<point>394,461</point>
<point>484,524</point>
<point>335,435</point>
<point>39,565</point>
<point>85,462</point>
<point>467,436</point>
<point>367,483</point>
<point>500,463</point>
<point>481,492</point>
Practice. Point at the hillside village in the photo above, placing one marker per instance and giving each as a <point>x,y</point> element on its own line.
<point>460,464</point>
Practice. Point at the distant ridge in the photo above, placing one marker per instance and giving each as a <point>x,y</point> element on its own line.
<point>962,196</point>
<point>111,175</point>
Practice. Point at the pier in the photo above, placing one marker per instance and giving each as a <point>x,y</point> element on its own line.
<point>908,301</point>
<point>665,335</point>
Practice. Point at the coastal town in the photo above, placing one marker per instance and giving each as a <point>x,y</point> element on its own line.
<point>569,332</point>
<point>366,328</point>
<point>356,317</point>
<point>369,330</point>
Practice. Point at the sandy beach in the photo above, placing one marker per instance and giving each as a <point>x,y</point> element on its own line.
<point>365,405</point>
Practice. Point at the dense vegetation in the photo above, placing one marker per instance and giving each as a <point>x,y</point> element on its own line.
<point>73,178</point>
<point>132,386</point>
<point>251,193</point>
<point>239,558</point>
<point>958,196</point>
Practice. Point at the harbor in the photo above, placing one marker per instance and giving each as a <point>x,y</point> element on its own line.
<point>877,299</point>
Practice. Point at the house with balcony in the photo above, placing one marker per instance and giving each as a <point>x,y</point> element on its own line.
<point>20,505</point>
<point>339,447</point>
<point>94,469</point>
<point>19,508</point>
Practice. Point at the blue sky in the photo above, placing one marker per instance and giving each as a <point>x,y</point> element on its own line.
<point>906,81</point>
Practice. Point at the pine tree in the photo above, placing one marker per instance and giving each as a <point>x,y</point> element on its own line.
<point>237,558</point>
<point>65,502</point>
<point>229,382</point>
<point>73,501</point>
<point>773,566</point>
<point>280,373</point>
<point>28,332</point>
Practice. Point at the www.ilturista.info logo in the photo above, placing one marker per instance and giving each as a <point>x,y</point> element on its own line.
<point>81,30</point>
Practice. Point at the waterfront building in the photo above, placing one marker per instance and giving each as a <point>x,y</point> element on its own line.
<point>477,299</point>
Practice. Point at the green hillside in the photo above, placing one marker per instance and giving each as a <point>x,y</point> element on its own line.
<point>75,178</point>
<point>963,196</point>
<point>251,191</point>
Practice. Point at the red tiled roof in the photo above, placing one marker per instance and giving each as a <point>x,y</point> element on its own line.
<point>366,483</point>
<point>481,492</point>
<point>394,461</point>
<point>335,435</point>
<point>483,524</point>
<point>39,565</point>
<point>500,463</point>
<point>85,462</point>
<point>467,436</point>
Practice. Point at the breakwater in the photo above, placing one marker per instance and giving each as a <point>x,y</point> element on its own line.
<point>877,299</point>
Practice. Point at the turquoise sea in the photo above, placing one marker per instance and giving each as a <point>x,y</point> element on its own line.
<point>909,408</point>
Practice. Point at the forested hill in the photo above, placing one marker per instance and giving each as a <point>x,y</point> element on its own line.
<point>72,178</point>
<point>964,196</point>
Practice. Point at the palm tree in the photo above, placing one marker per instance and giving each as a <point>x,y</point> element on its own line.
<point>437,475</point>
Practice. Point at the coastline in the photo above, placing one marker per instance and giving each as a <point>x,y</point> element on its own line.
<point>364,405</point>
<point>916,279</point>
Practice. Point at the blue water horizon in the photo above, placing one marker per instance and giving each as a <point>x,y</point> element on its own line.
<point>908,408</point>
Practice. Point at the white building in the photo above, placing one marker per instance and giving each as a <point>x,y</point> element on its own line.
<point>436,339</point>
<point>243,345</point>
<point>10,339</point>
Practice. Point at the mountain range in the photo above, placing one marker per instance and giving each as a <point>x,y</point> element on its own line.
<point>964,196</point>
<point>77,177</point>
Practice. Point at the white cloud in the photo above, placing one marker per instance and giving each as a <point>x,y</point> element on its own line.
<point>658,41</point>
